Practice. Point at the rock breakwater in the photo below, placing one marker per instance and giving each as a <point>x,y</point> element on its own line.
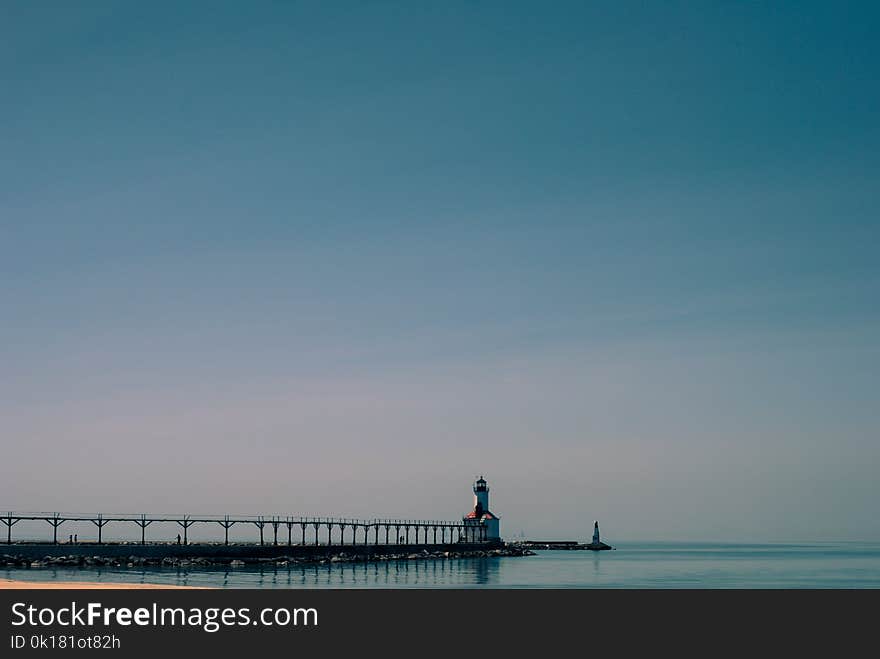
<point>282,559</point>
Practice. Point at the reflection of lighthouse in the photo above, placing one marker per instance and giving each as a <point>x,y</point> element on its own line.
<point>480,524</point>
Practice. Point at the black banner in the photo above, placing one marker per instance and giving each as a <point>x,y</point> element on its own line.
<point>134,623</point>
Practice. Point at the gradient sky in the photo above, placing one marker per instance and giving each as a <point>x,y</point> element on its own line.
<point>339,258</point>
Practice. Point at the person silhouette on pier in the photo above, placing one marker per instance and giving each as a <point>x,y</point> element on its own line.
<point>70,539</point>
<point>75,538</point>
<point>178,538</point>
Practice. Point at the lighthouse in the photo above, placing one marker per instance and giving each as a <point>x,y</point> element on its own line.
<point>597,544</point>
<point>481,525</point>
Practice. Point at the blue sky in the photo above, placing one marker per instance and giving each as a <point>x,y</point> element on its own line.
<point>338,258</point>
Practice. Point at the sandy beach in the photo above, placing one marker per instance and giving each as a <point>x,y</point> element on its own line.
<point>9,584</point>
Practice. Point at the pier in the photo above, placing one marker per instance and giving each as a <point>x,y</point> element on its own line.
<point>595,544</point>
<point>295,531</point>
<point>564,545</point>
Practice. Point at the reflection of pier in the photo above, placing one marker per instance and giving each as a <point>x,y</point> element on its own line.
<point>312,531</point>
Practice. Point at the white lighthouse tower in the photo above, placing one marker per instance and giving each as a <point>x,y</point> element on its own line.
<point>480,525</point>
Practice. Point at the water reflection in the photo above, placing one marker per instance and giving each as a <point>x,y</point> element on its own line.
<point>391,574</point>
<point>387,574</point>
<point>645,566</point>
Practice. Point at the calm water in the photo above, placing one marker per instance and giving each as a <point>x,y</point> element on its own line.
<point>644,565</point>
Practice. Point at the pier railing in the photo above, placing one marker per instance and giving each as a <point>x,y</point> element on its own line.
<point>308,530</point>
